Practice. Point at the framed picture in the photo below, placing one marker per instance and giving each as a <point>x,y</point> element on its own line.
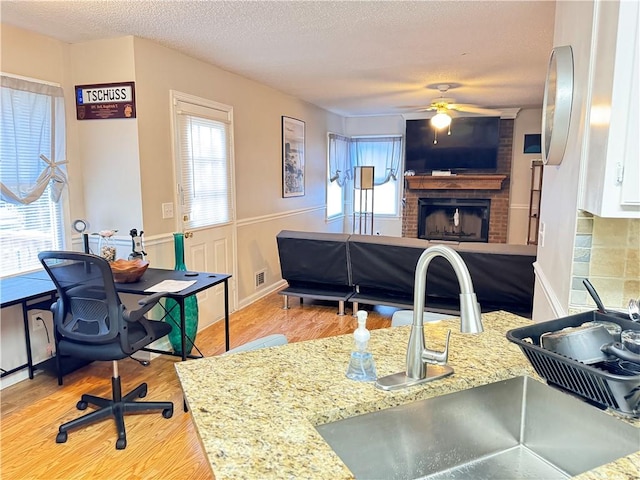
<point>292,157</point>
<point>532,143</point>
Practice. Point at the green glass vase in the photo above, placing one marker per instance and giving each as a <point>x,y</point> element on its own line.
<point>173,308</point>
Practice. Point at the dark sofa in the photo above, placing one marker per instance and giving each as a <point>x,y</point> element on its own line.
<point>316,265</point>
<point>380,270</point>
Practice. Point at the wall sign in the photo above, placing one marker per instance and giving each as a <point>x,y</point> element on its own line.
<point>106,100</point>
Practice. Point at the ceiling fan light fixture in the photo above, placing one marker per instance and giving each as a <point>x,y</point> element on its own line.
<point>441,120</point>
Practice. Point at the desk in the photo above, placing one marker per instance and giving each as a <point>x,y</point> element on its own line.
<point>36,290</point>
<point>203,281</point>
<point>31,291</point>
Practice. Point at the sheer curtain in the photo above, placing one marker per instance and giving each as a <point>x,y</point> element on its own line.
<point>32,141</point>
<point>32,172</point>
<point>340,169</point>
<point>383,153</point>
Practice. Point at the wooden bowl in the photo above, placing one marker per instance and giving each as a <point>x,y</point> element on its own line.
<point>128,271</point>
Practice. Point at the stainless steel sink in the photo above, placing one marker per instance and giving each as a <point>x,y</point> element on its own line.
<point>514,429</point>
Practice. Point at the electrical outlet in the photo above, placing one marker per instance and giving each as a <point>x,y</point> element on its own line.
<point>36,324</point>
<point>167,210</point>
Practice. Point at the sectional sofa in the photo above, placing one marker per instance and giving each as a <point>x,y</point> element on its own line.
<point>380,270</point>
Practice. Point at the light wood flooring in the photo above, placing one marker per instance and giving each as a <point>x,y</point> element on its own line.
<point>157,448</point>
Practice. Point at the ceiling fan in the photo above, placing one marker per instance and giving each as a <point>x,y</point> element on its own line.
<point>444,107</point>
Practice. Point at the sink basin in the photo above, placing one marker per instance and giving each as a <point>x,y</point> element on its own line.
<point>517,428</point>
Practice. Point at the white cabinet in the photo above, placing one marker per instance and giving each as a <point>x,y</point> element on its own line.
<point>611,161</point>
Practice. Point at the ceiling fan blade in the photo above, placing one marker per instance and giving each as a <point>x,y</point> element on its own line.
<point>430,108</point>
<point>475,109</point>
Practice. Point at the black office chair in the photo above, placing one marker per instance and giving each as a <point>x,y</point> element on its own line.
<point>92,324</point>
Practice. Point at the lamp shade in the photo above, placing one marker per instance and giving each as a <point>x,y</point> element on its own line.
<point>441,120</point>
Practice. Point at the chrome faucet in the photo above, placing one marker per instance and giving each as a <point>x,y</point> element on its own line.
<point>417,355</point>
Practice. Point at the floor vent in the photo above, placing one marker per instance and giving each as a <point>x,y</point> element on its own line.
<point>260,278</point>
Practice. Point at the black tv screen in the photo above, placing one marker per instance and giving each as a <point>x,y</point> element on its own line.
<point>472,145</point>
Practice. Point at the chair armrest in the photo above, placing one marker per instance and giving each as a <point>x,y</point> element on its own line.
<point>152,299</point>
<point>146,304</point>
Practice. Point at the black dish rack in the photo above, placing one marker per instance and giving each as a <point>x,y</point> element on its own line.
<point>596,383</point>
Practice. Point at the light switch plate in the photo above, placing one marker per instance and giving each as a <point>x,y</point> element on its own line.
<point>167,210</point>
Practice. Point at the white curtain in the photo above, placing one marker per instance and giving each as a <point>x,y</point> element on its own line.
<point>32,140</point>
<point>340,169</point>
<point>383,153</point>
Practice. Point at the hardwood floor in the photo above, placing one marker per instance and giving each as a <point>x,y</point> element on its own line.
<point>157,448</point>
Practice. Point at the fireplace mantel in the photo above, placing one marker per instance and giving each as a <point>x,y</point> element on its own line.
<point>455,182</point>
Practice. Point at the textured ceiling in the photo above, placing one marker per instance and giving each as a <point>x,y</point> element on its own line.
<point>349,57</point>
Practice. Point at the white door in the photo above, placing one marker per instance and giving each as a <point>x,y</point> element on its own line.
<point>211,250</point>
<point>205,197</point>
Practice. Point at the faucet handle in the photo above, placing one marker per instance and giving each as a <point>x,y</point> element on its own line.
<point>437,358</point>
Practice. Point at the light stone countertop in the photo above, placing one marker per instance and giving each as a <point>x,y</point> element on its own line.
<point>255,411</point>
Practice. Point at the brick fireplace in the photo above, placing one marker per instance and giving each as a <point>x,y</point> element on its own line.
<point>470,185</point>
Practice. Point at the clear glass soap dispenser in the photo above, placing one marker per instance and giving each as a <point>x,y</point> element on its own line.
<point>361,368</point>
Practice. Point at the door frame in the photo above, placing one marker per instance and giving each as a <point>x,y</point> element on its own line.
<point>175,95</point>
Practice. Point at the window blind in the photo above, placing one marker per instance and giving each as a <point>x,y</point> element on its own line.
<point>32,150</point>
<point>205,171</point>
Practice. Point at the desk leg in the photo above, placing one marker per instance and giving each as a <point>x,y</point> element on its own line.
<point>183,334</point>
<point>226,315</point>
<point>27,337</point>
<point>183,330</point>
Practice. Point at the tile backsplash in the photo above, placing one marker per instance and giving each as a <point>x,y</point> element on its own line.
<point>607,252</point>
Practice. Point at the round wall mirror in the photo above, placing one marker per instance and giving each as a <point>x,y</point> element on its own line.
<point>556,107</point>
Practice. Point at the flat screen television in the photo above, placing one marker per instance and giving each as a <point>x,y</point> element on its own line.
<point>472,145</point>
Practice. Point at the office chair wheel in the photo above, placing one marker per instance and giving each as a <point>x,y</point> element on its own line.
<point>121,444</point>
<point>61,437</point>
<point>167,412</point>
<point>82,405</point>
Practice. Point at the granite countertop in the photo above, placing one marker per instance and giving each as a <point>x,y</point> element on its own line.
<point>255,411</point>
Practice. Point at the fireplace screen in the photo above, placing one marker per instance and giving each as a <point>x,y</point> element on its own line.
<point>461,220</point>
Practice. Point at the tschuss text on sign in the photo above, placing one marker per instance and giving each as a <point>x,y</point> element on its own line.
<point>121,93</point>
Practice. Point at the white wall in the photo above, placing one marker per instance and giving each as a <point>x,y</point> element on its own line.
<point>257,110</point>
<point>107,149</point>
<point>528,121</point>
<point>558,211</point>
<point>128,170</point>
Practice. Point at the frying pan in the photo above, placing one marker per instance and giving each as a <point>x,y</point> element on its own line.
<point>588,344</point>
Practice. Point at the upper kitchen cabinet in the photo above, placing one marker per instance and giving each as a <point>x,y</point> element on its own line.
<point>611,156</point>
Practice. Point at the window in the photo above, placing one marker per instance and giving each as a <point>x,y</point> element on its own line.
<point>339,171</point>
<point>384,154</point>
<point>32,148</point>
<point>204,170</point>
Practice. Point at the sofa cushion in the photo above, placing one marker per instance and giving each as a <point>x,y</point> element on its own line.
<point>502,274</point>
<point>310,257</point>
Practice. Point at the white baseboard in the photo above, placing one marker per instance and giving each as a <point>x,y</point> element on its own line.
<point>549,293</point>
<point>14,378</point>
<point>245,302</point>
